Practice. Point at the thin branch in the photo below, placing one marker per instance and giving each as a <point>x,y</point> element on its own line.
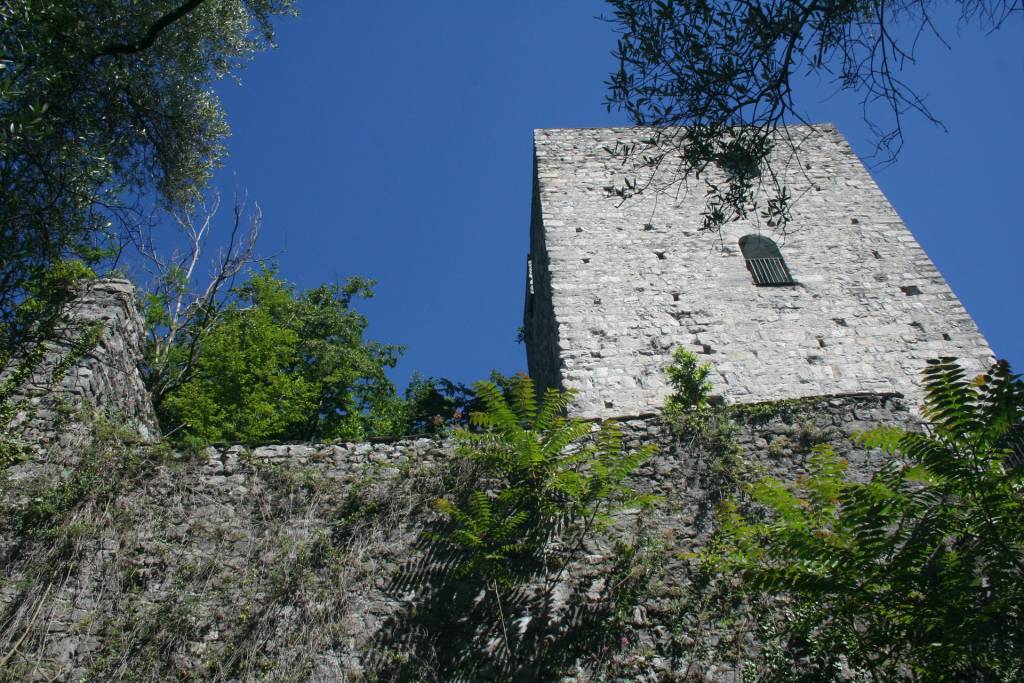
<point>188,310</point>
<point>28,628</point>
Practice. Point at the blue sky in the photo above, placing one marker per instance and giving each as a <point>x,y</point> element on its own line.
<point>393,141</point>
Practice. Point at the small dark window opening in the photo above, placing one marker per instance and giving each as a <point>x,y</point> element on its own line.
<point>764,261</point>
<point>528,308</point>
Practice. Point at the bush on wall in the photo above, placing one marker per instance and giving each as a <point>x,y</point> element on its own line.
<point>917,573</point>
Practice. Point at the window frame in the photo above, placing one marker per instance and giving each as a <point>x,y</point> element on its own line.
<point>764,262</point>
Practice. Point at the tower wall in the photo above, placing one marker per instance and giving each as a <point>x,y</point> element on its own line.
<point>541,331</point>
<point>623,283</point>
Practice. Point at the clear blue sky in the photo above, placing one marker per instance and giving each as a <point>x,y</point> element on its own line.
<point>393,141</point>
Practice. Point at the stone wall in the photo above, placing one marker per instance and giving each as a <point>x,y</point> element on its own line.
<point>316,563</point>
<point>107,378</point>
<point>104,382</point>
<point>619,284</point>
<point>540,328</point>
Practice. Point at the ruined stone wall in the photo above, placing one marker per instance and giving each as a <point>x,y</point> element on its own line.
<point>104,382</point>
<point>107,378</point>
<point>629,281</point>
<point>311,562</point>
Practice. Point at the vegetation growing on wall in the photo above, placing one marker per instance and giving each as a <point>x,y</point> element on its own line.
<point>277,583</point>
<point>688,378</point>
<point>917,573</point>
<point>699,424</point>
<point>545,495</point>
<point>532,567</point>
<point>260,590</point>
<point>25,341</point>
<point>507,593</point>
<point>912,575</point>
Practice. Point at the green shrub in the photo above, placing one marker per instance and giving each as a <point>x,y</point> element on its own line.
<point>689,380</point>
<point>548,486</point>
<point>543,479</point>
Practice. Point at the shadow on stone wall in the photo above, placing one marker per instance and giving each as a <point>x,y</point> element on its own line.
<point>457,627</point>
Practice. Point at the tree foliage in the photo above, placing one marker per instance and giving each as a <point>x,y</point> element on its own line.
<point>101,102</point>
<point>917,573</point>
<point>436,404</point>
<point>287,367</point>
<point>181,310</point>
<point>725,69</point>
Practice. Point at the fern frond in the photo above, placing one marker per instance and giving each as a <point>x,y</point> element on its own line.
<point>926,560</point>
<point>545,474</point>
<point>561,435</point>
<point>480,507</point>
<point>950,399</point>
<point>552,408</point>
<point>885,438</point>
<point>498,415</point>
<point>522,399</point>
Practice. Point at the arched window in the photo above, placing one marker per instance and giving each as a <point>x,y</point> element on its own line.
<point>764,261</point>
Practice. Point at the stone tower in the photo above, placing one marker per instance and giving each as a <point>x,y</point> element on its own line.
<point>846,302</point>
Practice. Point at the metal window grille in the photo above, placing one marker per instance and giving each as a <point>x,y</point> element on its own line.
<point>769,271</point>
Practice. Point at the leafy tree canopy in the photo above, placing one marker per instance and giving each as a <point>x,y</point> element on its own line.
<point>917,574</point>
<point>436,404</point>
<point>102,101</point>
<point>281,366</point>
<point>725,70</point>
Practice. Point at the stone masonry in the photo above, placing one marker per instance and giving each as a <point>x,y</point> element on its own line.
<point>314,562</point>
<point>616,286</point>
<point>309,562</point>
<point>105,381</point>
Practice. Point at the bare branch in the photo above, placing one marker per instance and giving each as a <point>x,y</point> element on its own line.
<point>189,310</point>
